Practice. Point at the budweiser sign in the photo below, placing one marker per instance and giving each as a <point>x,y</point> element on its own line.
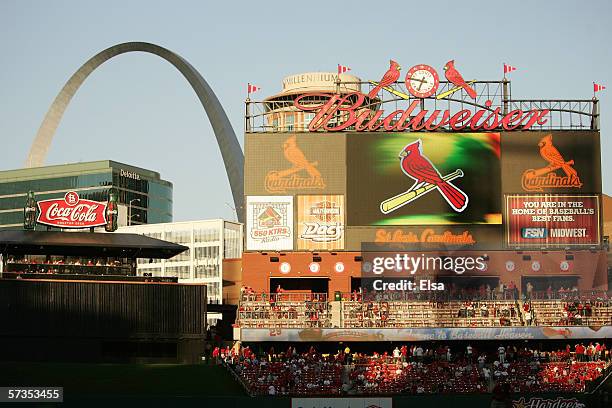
<point>71,212</point>
<point>339,112</point>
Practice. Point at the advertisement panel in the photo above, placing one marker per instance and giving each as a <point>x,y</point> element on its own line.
<point>428,333</point>
<point>269,223</point>
<point>551,162</point>
<point>320,222</point>
<point>423,179</point>
<point>353,402</point>
<point>71,212</point>
<point>550,219</point>
<point>300,163</point>
<point>430,237</point>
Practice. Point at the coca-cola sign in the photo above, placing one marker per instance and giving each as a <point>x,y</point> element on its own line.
<point>71,212</point>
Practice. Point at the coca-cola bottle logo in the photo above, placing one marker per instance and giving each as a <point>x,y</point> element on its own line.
<point>71,198</point>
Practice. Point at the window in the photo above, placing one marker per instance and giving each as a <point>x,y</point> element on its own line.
<point>206,262</point>
<point>213,292</point>
<point>209,234</point>
<point>179,237</point>
<point>181,272</point>
<point>289,121</point>
<point>232,241</point>
<point>308,117</point>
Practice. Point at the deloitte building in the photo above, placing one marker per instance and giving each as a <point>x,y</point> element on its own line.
<point>143,197</point>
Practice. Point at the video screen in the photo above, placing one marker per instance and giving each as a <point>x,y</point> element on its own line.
<point>426,178</point>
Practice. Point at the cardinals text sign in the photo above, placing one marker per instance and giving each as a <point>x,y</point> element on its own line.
<point>71,212</point>
<point>551,162</point>
<point>431,237</point>
<point>558,220</point>
<point>285,164</point>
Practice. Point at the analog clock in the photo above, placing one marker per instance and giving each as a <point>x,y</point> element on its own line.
<point>422,81</point>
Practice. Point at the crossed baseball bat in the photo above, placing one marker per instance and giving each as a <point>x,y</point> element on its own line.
<point>409,196</point>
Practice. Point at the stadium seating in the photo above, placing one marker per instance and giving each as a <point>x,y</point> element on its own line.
<point>306,310</point>
<point>287,310</point>
<point>399,314</point>
<point>374,374</point>
<point>303,375</point>
<point>557,313</point>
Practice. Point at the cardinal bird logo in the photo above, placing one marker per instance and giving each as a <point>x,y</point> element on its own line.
<point>451,73</point>
<point>296,157</point>
<point>279,181</point>
<point>417,166</point>
<point>547,177</point>
<point>550,153</point>
<point>388,79</point>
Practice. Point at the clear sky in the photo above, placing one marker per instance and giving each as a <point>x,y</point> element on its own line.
<point>138,109</point>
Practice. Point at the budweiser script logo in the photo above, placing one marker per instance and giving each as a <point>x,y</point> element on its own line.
<point>340,112</point>
<point>290,179</point>
<point>547,177</point>
<point>71,212</point>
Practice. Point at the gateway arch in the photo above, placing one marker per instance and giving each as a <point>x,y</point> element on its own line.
<point>231,151</point>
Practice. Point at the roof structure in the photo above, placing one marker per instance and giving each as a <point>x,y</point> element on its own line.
<point>86,244</point>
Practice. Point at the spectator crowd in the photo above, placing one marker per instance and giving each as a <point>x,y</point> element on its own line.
<point>420,368</point>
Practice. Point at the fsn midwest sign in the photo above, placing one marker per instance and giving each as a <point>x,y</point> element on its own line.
<point>341,111</point>
<point>71,212</point>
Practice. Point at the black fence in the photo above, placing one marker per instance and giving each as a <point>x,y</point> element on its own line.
<point>90,320</point>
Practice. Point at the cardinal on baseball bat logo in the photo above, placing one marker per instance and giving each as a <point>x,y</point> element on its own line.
<point>426,178</point>
<point>547,177</point>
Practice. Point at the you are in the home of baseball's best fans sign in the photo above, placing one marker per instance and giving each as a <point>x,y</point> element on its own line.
<point>549,219</point>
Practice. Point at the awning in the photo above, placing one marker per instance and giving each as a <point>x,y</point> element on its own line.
<point>87,244</point>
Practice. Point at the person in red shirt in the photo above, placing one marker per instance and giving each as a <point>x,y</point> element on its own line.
<point>597,351</point>
<point>580,349</point>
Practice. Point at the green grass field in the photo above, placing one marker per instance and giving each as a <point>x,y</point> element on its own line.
<point>117,380</point>
<point>170,385</point>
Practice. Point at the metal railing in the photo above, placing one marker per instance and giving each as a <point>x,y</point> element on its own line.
<point>493,96</point>
<point>294,310</point>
